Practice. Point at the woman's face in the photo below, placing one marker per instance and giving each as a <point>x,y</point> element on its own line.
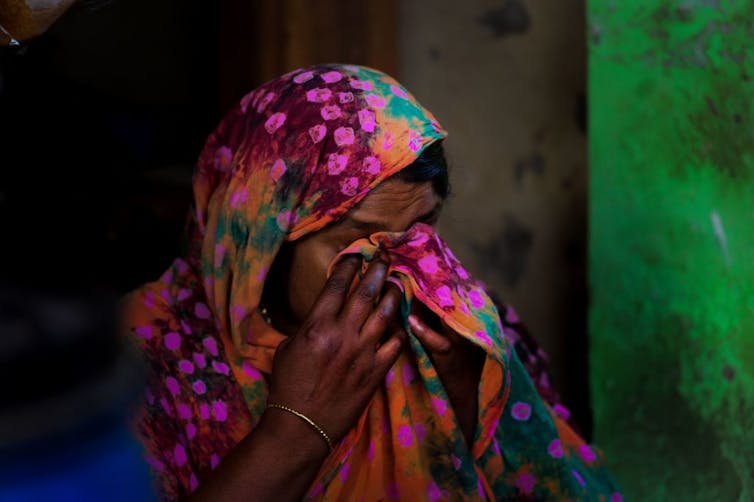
<point>300,270</point>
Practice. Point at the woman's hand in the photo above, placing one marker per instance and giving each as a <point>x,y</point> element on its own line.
<point>458,363</point>
<point>328,371</point>
<point>331,368</point>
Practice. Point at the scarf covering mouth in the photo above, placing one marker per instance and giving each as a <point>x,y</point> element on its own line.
<point>295,155</point>
<point>424,268</point>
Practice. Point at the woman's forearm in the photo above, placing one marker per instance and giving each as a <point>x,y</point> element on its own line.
<point>279,460</point>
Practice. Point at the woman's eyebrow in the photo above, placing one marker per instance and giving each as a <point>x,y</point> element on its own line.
<point>366,226</point>
<point>382,226</point>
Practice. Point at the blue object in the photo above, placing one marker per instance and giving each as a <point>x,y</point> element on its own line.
<point>101,463</point>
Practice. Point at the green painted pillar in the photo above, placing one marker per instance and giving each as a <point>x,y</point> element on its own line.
<point>671,99</point>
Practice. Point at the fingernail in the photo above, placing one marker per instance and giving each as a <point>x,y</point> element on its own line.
<point>413,321</point>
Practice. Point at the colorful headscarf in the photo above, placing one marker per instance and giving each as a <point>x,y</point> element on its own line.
<point>295,155</point>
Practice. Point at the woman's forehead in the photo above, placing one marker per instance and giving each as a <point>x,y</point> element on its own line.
<point>396,204</point>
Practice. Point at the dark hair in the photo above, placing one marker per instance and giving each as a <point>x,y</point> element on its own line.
<point>432,166</point>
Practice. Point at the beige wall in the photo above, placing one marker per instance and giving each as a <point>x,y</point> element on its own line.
<point>507,79</point>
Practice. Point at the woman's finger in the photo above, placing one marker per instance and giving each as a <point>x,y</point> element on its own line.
<point>385,314</point>
<point>388,353</point>
<point>430,338</point>
<point>335,291</point>
<point>361,302</point>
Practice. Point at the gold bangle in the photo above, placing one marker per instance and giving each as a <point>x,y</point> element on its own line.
<point>307,420</point>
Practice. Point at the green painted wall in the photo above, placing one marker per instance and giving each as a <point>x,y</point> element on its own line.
<point>671,97</point>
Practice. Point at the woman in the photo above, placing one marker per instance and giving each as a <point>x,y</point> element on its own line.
<point>278,347</point>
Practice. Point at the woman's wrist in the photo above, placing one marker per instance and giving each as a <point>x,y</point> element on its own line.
<point>287,429</point>
<point>279,460</point>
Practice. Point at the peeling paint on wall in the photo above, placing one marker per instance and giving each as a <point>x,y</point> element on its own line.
<point>508,19</point>
<point>507,250</point>
<point>672,245</point>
